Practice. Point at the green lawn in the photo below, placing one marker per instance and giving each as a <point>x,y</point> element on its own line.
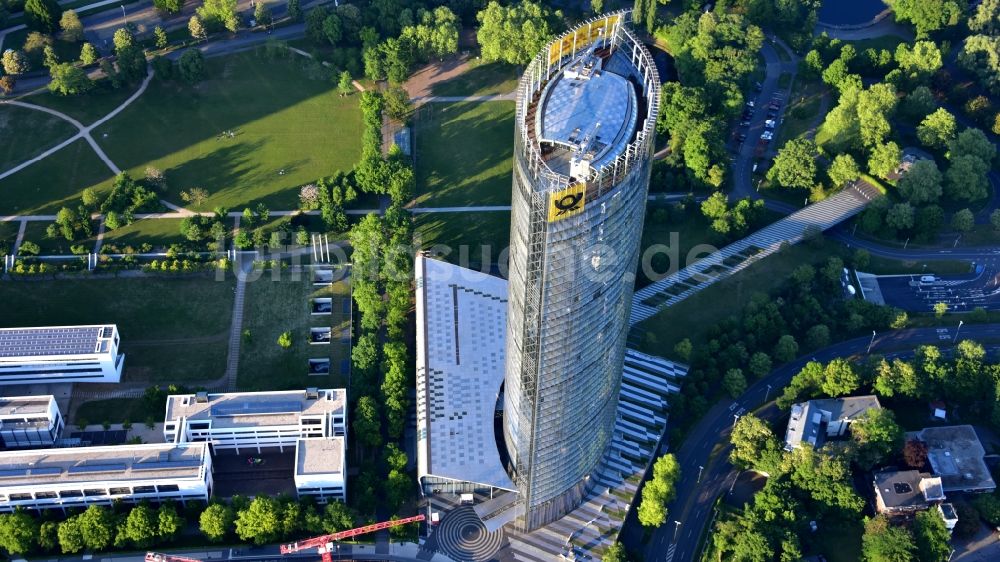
<point>173,330</point>
<point>464,153</point>
<point>89,107</point>
<point>35,232</point>
<point>802,111</point>
<point>839,541</point>
<point>8,234</point>
<point>472,230</point>
<point>290,129</point>
<point>885,266</point>
<point>115,410</point>
<point>26,133</point>
<point>274,307</point>
<point>480,80</point>
<point>159,233</point>
<point>889,42</point>
<point>54,182</point>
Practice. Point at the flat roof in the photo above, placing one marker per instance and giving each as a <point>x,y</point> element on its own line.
<point>25,405</point>
<point>807,418</point>
<point>588,107</point>
<point>461,330</point>
<point>55,340</point>
<point>243,409</point>
<point>39,467</point>
<point>319,456</point>
<point>956,455</point>
<point>907,488</point>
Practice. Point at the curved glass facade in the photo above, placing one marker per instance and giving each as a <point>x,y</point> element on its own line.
<point>575,234</point>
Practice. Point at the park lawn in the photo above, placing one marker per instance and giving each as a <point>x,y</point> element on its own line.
<point>26,133</point>
<point>174,330</point>
<point>288,130</point>
<point>888,42</point>
<point>57,246</point>
<point>158,233</point>
<point>802,111</point>
<point>449,232</point>
<point>480,80</point>
<point>840,541</point>
<point>464,152</point>
<point>8,235</point>
<point>276,306</point>
<point>89,107</point>
<point>57,181</point>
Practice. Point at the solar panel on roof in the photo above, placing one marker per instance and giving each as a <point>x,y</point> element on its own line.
<point>118,467</point>
<point>35,342</point>
<point>170,465</point>
<point>7,473</point>
<point>246,408</point>
<point>42,470</point>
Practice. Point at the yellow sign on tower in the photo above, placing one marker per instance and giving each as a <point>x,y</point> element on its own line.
<point>581,37</point>
<point>567,202</point>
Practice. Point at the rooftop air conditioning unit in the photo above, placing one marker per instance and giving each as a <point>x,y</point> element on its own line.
<point>312,393</point>
<point>201,397</point>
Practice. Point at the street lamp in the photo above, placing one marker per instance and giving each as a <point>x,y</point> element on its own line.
<point>736,418</point>
<point>677,529</point>
<point>959,329</point>
<point>700,469</point>
<point>767,392</point>
<point>124,17</point>
<point>871,343</point>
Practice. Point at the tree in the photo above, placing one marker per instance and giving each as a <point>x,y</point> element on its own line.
<point>734,382</point>
<point>259,521</point>
<point>367,424</point>
<point>72,28</point>
<point>875,107</point>
<point>918,103</point>
<point>927,15</point>
<point>995,220</point>
<point>683,349</point>
<point>884,159</point>
<point>397,103</point>
<point>216,521</point>
<point>877,435</point>
<point>15,62</point>
<point>513,34</point>
<point>220,13</point>
<point>786,349</point>
<point>760,364</point>
<point>168,522</point>
<point>123,38</point>
<point>963,220</point>
<point>48,536</point>
<point>940,309</point>
<point>42,15</point>
<point>898,378</point>
<point>398,487</point>
<point>192,66</point>
<point>843,170</point>
<point>840,379</point>
<point>161,40</point>
<point>88,54</point>
<point>285,340</point>
<point>932,537</point>
<point>752,441</point>
<point>345,84</point>
<point>795,165</point>
<point>17,532</point>
<point>615,552</point>
<point>294,10</point>
<point>920,61</point>
<point>884,542</point>
<point>937,129</point>
<point>196,27</point>
<point>140,526</point>
<point>337,517</point>
<point>922,183</point>
<point>915,454</point>
<point>659,491</point>
<point>96,526</point>
<point>262,13</point>
<point>70,537</point>
<point>69,80</point>
<point>966,179</point>
<point>7,83</point>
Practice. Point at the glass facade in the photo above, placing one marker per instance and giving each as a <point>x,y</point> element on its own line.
<point>571,279</point>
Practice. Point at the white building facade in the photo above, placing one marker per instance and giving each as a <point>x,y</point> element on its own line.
<point>60,354</point>
<point>320,469</point>
<point>78,477</point>
<point>256,420</point>
<point>30,421</point>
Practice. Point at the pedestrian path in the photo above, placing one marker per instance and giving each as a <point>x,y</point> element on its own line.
<point>674,288</point>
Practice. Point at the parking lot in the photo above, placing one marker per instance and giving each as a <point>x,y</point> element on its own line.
<point>962,293</point>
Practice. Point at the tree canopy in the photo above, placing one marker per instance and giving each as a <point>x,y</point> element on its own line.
<point>515,33</point>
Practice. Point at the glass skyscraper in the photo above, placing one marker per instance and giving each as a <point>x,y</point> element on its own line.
<point>584,135</point>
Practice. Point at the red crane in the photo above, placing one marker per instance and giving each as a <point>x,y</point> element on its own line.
<point>325,543</point>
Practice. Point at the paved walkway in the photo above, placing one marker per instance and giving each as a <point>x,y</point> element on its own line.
<point>512,96</point>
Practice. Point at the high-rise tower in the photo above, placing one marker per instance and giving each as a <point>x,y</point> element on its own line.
<point>586,111</point>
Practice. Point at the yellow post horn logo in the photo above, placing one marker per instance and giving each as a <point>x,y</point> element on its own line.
<point>567,202</point>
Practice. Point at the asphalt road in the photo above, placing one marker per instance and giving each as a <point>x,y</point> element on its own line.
<point>961,293</point>
<point>707,444</point>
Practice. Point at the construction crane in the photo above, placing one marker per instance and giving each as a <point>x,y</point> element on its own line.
<point>324,544</point>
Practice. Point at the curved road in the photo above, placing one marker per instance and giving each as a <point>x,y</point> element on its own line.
<point>707,443</point>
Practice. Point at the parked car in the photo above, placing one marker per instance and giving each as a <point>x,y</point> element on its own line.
<point>767,135</point>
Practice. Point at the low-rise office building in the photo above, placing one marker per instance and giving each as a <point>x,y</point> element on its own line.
<point>30,421</point>
<point>60,354</point>
<point>78,477</point>
<point>816,421</point>
<point>905,492</point>
<point>956,456</point>
<point>320,469</point>
<point>256,420</point>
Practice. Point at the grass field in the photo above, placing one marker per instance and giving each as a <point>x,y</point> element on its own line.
<point>35,232</point>
<point>290,129</point>
<point>481,80</point>
<point>116,410</point>
<point>26,133</point>
<point>802,111</point>
<point>274,307</point>
<point>54,182</point>
<point>173,330</point>
<point>89,107</point>
<point>472,229</point>
<point>464,153</point>
<point>8,234</point>
<point>160,233</point>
